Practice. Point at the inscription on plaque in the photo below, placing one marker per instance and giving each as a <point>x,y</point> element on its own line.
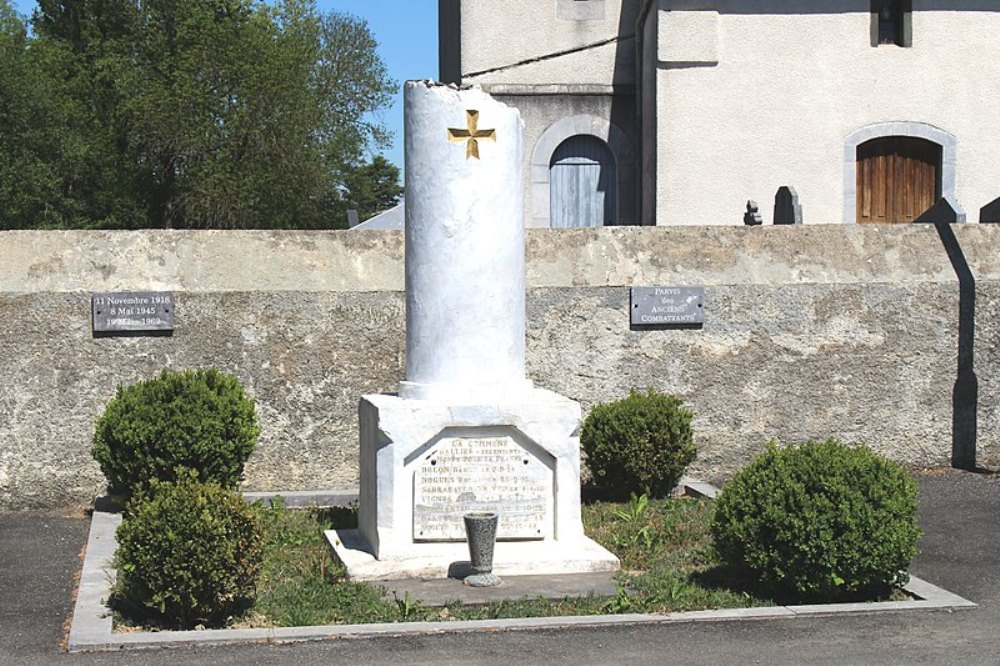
<point>666,306</point>
<point>465,474</point>
<point>130,311</point>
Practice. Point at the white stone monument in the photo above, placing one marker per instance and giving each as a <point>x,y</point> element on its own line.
<point>467,431</point>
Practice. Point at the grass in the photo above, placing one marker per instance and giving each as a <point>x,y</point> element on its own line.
<point>668,564</point>
<point>665,548</point>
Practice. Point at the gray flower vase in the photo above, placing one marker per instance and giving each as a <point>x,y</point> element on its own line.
<point>481,533</point>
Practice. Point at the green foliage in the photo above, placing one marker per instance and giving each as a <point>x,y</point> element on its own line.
<point>819,521</point>
<point>675,531</point>
<point>300,585</point>
<point>635,510</point>
<point>188,553</point>
<point>197,420</point>
<point>639,444</point>
<point>633,515</point>
<point>185,114</point>
<point>373,188</point>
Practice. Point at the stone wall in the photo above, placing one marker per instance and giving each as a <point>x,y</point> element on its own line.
<point>810,332</point>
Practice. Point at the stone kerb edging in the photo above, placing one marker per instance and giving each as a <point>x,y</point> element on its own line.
<point>91,629</point>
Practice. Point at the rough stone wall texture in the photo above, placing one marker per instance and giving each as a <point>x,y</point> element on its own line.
<point>810,332</point>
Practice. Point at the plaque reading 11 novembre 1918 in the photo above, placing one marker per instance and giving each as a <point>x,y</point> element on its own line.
<point>130,311</point>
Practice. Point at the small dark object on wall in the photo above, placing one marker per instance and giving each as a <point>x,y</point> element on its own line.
<point>787,209</point>
<point>945,211</point>
<point>753,218</point>
<point>990,213</point>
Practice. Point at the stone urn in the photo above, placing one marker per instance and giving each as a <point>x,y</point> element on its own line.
<point>481,533</point>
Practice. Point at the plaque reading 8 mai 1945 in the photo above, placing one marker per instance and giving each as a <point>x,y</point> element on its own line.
<point>133,311</point>
<point>464,474</point>
<point>665,306</point>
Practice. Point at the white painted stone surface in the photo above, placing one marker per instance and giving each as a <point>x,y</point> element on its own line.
<point>464,246</point>
<point>507,475</point>
<point>465,404</point>
<point>396,437</point>
<point>441,559</point>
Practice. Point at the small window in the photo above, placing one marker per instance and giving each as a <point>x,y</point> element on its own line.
<point>891,22</point>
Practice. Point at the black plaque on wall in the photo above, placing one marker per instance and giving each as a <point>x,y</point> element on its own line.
<point>133,312</point>
<point>667,306</point>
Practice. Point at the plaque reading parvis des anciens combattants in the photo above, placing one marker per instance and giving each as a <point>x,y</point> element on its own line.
<point>668,306</point>
<point>133,311</point>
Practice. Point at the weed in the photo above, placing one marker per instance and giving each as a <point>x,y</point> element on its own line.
<point>664,544</point>
<point>634,510</point>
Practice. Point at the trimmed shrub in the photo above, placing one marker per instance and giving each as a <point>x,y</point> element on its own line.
<point>198,420</point>
<point>640,444</point>
<point>819,521</point>
<point>188,553</point>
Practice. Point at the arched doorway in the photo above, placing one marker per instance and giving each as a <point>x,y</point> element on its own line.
<point>582,177</point>
<point>898,178</point>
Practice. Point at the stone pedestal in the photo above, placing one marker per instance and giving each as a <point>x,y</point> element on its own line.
<point>426,463</point>
<point>467,431</point>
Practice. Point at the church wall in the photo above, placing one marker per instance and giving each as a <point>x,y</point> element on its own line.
<point>648,80</point>
<point>810,332</point>
<point>541,112</point>
<point>515,42</point>
<point>788,89</point>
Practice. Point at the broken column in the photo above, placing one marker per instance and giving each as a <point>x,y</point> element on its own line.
<point>467,430</point>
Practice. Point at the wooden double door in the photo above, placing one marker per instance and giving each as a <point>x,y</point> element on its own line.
<point>898,179</point>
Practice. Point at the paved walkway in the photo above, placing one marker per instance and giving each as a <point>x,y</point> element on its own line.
<point>960,513</point>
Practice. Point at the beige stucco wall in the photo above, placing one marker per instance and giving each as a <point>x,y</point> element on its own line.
<point>498,35</point>
<point>790,87</point>
<point>569,66</point>
<point>810,332</point>
<point>551,118</point>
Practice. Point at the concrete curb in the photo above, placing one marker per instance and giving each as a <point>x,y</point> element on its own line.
<point>91,630</point>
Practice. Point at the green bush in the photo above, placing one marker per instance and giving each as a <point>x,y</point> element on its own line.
<point>819,521</point>
<point>640,444</point>
<point>188,554</point>
<point>198,420</point>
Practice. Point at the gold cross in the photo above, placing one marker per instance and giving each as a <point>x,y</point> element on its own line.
<point>472,135</point>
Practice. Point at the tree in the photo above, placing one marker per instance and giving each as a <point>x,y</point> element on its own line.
<point>373,188</point>
<point>54,164</point>
<point>197,113</point>
<point>22,175</point>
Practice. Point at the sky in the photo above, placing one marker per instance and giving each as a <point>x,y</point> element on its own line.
<point>406,31</point>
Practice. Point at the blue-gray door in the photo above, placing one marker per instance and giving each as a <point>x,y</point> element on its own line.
<point>582,184</point>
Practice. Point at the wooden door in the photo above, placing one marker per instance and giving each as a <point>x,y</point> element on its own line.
<point>898,179</point>
<point>582,184</point>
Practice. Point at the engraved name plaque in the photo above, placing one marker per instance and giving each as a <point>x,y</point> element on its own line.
<point>131,311</point>
<point>667,306</point>
<point>463,474</point>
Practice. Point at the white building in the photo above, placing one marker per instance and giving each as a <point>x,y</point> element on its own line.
<point>679,111</point>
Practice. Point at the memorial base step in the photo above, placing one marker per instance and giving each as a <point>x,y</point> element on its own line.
<point>451,559</point>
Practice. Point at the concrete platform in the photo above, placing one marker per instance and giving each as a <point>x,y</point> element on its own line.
<point>444,591</point>
<point>443,560</point>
